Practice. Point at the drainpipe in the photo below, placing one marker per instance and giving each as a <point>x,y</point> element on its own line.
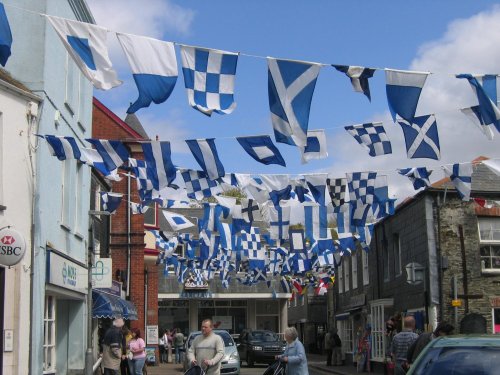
<point>145,300</point>
<point>128,235</point>
<point>439,259</point>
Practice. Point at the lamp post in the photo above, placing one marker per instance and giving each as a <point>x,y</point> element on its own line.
<point>89,358</point>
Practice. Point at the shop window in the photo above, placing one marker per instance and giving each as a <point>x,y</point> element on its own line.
<point>49,335</point>
<point>489,247</point>
<point>344,329</point>
<point>150,215</point>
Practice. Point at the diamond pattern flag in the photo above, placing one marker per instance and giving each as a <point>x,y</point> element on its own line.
<point>316,147</point>
<point>209,77</point>
<point>362,186</point>
<point>460,175</point>
<point>198,185</point>
<point>262,149</point>
<point>418,176</point>
<point>177,221</point>
<point>359,77</point>
<point>154,68</point>
<point>421,137</point>
<point>403,90</point>
<point>86,44</point>
<point>372,136</point>
<point>291,86</point>
<point>205,153</point>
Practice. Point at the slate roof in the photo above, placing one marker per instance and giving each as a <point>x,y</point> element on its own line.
<point>132,121</point>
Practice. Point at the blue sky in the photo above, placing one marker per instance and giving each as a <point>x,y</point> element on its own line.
<point>443,37</point>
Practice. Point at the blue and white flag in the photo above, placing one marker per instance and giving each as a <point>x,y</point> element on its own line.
<point>316,184</point>
<point>460,175</point>
<point>205,153</point>
<point>5,36</point>
<point>474,114</point>
<point>418,176</point>
<point>92,158</point>
<point>209,245</point>
<point>137,208</point>
<point>360,214</point>
<point>359,77</point>
<point>279,222</point>
<point>347,242</point>
<point>286,285</point>
<point>316,222</point>
<point>337,188</point>
<point>421,137</point>
<point>365,236</point>
<point>300,262</point>
<point>316,147</point>
<point>64,148</point>
<point>177,221</point>
<point>262,149</point>
<point>485,88</point>
<point>209,77</point>
<point>362,186</point>
<point>227,240</point>
<point>154,68</point>
<point>249,241</point>
<point>110,201</point>
<point>372,136</point>
<point>403,90</point>
<point>211,216</point>
<point>113,153</point>
<point>198,185</point>
<point>86,44</point>
<point>161,170</point>
<point>239,223</point>
<point>291,86</point>
<point>250,210</point>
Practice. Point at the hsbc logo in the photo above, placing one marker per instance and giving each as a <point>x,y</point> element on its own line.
<point>7,240</point>
<point>12,247</point>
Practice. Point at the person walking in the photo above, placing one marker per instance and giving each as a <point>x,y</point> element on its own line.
<point>328,347</point>
<point>401,343</point>
<point>127,336</point>
<point>164,355</point>
<point>207,349</point>
<point>364,349</point>
<point>294,355</point>
<point>336,348</point>
<point>442,329</point>
<point>178,342</point>
<point>136,346</point>
<point>161,348</point>
<point>112,348</point>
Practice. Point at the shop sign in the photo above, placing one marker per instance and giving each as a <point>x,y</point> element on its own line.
<point>495,301</point>
<point>101,273</point>
<point>12,247</point>
<point>66,273</point>
<point>456,302</point>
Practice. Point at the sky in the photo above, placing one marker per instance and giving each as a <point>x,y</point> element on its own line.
<point>443,37</point>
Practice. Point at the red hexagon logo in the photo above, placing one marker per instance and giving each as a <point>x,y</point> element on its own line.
<point>8,240</point>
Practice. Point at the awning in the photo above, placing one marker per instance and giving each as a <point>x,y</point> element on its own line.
<point>105,305</point>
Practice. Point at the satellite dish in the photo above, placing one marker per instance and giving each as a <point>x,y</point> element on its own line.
<point>415,273</point>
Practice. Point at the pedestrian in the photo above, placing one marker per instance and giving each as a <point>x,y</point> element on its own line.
<point>336,348</point>
<point>328,347</point>
<point>161,348</point>
<point>127,336</point>
<point>169,345</point>
<point>401,343</point>
<point>178,341</point>
<point>294,355</point>
<point>164,355</point>
<point>136,346</point>
<point>112,348</point>
<point>442,329</point>
<point>364,349</point>
<point>207,349</point>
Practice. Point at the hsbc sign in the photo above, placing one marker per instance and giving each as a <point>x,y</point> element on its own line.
<point>12,247</point>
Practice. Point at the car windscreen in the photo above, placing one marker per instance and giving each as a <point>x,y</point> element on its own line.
<point>477,360</point>
<point>228,341</point>
<point>264,336</point>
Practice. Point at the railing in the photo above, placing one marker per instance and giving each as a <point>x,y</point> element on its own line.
<point>96,365</point>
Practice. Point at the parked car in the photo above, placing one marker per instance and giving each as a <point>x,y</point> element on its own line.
<point>259,346</point>
<point>459,355</point>
<point>230,364</point>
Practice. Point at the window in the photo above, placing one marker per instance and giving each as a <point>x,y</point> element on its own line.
<point>379,310</point>
<point>79,199</point>
<point>386,263</point>
<point>489,247</point>
<point>347,270</point>
<point>396,247</point>
<point>67,166</point>
<point>72,86</point>
<point>49,335</point>
<point>340,271</point>
<point>344,329</point>
<point>354,270</point>
<point>366,273</point>
<point>150,215</point>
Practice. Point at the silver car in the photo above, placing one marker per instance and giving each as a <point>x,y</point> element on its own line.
<point>230,364</point>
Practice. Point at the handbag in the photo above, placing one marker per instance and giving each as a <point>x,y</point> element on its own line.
<point>130,356</point>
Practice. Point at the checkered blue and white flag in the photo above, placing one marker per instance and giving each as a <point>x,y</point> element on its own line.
<point>362,186</point>
<point>113,153</point>
<point>460,175</point>
<point>198,185</point>
<point>209,77</point>
<point>421,137</point>
<point>205,153</point>
<point>157,156</point>
<point>249,241</point>
<point>359,77</point>
<point>287,81</point>
<point>110,201</point>
<point>316,147</point>
<point>418,176</point>
<point>337,187</point>
<point>262,149</point>
<point>64,148</point>
<point>372,136</point>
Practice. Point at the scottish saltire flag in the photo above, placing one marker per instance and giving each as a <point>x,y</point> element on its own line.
<point>460,175</point>
<point>227,240</point>
<point>474,114</point>
<point>209,77</point>
<point>86,44</point>
<point>316,184</point>
<point>154,68</point>
<point>177,221</point>
<point>205,153</point>
<point>291,86</point>
<point>485,88</point>
<point>362,186</point>
<point>419,177</point>
<point>337,188</point>
<point>157,156</point>
<point>421,137</point>
<point>316,147</point>
<point>113,153</point>
<point>250,210</point>
<point>316,222</point>
<point>110,201</point>
<point>359,77</point>
<point>137,208</point>
<point>262,149</point>
<point>63,148</point>
<point>198,185</point>
<point>403,90</point>
<point>92,158</point>
<point>5,36</point>
<point>372,136</point>
<point>279,222</point>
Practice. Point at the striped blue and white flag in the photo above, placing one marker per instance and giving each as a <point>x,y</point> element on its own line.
<point>209,245</point>
<point>154,68</point>
<point>64,148</point>
<point>419,177</point>
<point>86,44</point>
<point>474,114</point>
<point>316,222</point>
<point>113,153</point>
<point>177,221</point>
<point>227,240</point>
<point>421,137</point>
<point>262,149</point>
<point>316,183</point>
<point>460,175</point>
<point>5,36</point>
<point>316,147</point>
<point>211,216</point>
<point>291,86</point>
<point>92,158</point>
<point>359,77</point>
<point>161,170</point>
<point>205,153</point>
<point>403,90</point>
<point>110,201</point>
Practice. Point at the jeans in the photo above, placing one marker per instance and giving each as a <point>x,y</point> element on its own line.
<point>136,365</point>
<point>178,354</point>
<point>109,371</point>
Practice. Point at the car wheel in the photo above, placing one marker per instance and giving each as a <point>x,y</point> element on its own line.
<point>250,360</point>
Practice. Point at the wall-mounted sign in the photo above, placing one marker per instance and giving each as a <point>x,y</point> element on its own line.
<point>65,273</point>
<point>152,335</point>
<point>195,282</point>
<point>223,322</point>
<point>8,340</point>
<point>101,273</point>
<point>12,247</point>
